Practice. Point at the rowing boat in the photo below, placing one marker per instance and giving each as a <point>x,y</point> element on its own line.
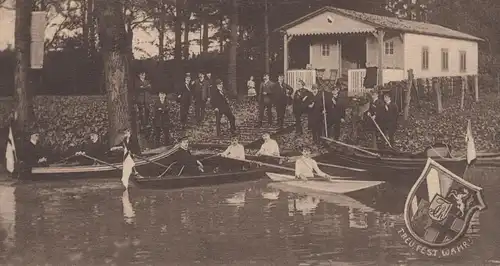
<point>213,174</point>
<point>324,186</point>
<point>151,164</point>
<point>392,169</point>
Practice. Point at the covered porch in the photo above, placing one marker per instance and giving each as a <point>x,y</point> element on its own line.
<point>328,47</point>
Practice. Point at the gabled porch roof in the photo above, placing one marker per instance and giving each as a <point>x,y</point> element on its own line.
<point>330,20</point>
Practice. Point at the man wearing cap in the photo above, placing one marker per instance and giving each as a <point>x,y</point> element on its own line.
<point>336,115</point>
<point>300,99</point>
<point>305,166</point>
<point>161,120</point>
<point>93,148</point>
<point>281,94</point>
<point>374,116</point>
<point>266,100</point>
<point>143,88</point>
<point>318,112</point>
<point>390,118</point>
<point>221,105</point>
<point>190,166</point>
<point>185,95</point>
<point>31,155</point>
<point>201,88</point>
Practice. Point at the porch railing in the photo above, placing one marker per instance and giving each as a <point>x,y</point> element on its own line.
<point>356,79</point>
<point>293,77</point>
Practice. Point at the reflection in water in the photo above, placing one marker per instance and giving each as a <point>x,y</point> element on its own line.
<point>128,210</point>
<point>201,226</point>
<point>7,217</point>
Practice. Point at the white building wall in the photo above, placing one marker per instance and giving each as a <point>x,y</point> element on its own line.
<point>413,46</point>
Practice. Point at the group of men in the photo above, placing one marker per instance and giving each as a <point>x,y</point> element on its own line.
<point>199,92</point>
<point>382,117</point>
<point>324,109</point>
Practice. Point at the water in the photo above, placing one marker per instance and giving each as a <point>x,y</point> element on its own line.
<point>97,223</point>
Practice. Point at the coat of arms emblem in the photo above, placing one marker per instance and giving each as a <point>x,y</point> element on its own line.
<point>440,206</point>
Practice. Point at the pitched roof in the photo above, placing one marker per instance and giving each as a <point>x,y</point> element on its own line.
<point>385,22</point>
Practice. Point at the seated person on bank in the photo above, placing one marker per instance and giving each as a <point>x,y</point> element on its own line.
<point>305,166</point>
<point>438,149</point>
<point>187,162</point>
<point>93,148</point>
<point>31,155</point>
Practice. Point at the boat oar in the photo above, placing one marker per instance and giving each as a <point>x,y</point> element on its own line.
<point>100,161</point>
<point>351,146</point>
<point>149,161</point>
<point>323,164</point>
<point>381,132</point>
<point>209,157</point>
<point>275,166</point>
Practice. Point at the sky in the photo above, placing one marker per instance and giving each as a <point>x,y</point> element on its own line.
<point>146,41</point>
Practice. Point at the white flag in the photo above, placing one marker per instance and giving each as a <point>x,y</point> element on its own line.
<point>10,152</point>
<point>471,146</point>
<point>128,165</point>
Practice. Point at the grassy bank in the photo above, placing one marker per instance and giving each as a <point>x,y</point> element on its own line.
<point>66,121</point>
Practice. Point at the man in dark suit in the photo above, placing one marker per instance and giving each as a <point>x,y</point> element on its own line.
<point>336,115</point>
<point>161,120</point>
<point>318,112</point>
<point>301,97</point>
<point>282,92</point>
<point>374,115</point>
<point>143,88</point>
<point>221,105</point>
<point>185,95</point>
<point>266,100</point>
<point>201,88</point>
<point>189,165</point>
<point>390,118</point>
<point>31,155</point>
<point>92,148</point>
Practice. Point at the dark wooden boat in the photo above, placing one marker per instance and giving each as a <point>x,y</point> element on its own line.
<point>396,169</point>
<point>114,170</point>
<point>218,170</point>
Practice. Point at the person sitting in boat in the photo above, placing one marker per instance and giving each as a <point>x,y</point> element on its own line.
<point>269,148</point>
<point>305,166</point>
<point>129,142</point>
<point>235,150</point>
<point>189,164</point>
<point>438,149</point>
<point>92,148</point>
<point>31,155</point>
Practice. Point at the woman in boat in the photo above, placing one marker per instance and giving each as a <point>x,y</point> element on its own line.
<point>305,166</point>
<point>190,166</point>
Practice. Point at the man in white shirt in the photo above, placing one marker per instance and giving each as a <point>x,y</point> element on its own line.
<point>305,166</point>
<point>269,147</point>
<point>235,150</point>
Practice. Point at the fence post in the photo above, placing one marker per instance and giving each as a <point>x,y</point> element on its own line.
<point>464,86</point>
<point>406,113</point>
<point>437,88</point>
<point>476,87</point>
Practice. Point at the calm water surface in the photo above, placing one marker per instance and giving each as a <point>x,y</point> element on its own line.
<point>97,223</point>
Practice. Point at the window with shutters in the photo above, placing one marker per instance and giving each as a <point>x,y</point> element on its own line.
<point>389,47</point>
<point>444,59</point>
<point>325,49</point>
<point>425,58</point>
<point>463,61</point>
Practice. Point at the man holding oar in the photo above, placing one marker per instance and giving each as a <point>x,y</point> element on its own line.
<point>305,166</point>
<point>269,149</point>
<point>234,151</point>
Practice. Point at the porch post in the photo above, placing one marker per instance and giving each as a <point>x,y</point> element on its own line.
<point>380,38</point>
<point>285,55</point>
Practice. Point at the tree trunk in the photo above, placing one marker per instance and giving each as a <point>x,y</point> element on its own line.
<point>178,42</point>
<point>232,79</point>
<point>91,28</point>
<point>161,33</point>
<point>221,37</point>
<point>23,45</point>
<point>116,54</point>
<point>439,98</point>
<point>266,38</point>
<point>186,35</point>
<point>205,40</point>
<point>406,112</point>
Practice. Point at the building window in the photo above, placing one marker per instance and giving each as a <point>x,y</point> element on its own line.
<point>444,59</point>
<point>463,61</point>
<point>389,47</point>
<point>325,49</point>
<point>425,58</point>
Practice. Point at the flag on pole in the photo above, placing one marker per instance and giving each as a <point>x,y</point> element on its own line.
<point>128,165</point>
<point>471,147</point>
<point>10,152</point>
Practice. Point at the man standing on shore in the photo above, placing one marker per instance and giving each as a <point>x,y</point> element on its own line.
<point>336,115</point>
<point>201,89</point>
<point>184,98</point>
<point>281,94</point>
<point>222,107</point>
<point>300,99</point>
<point>265,100</point>
<point>143,88</point>
<point>161,120</point>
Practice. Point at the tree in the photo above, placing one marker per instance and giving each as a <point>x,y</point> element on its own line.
<point>115,52</point>
<point>232,77</point>
<point>22,93</point>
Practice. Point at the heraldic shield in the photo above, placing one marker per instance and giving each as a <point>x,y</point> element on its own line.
<point>440,206</point>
